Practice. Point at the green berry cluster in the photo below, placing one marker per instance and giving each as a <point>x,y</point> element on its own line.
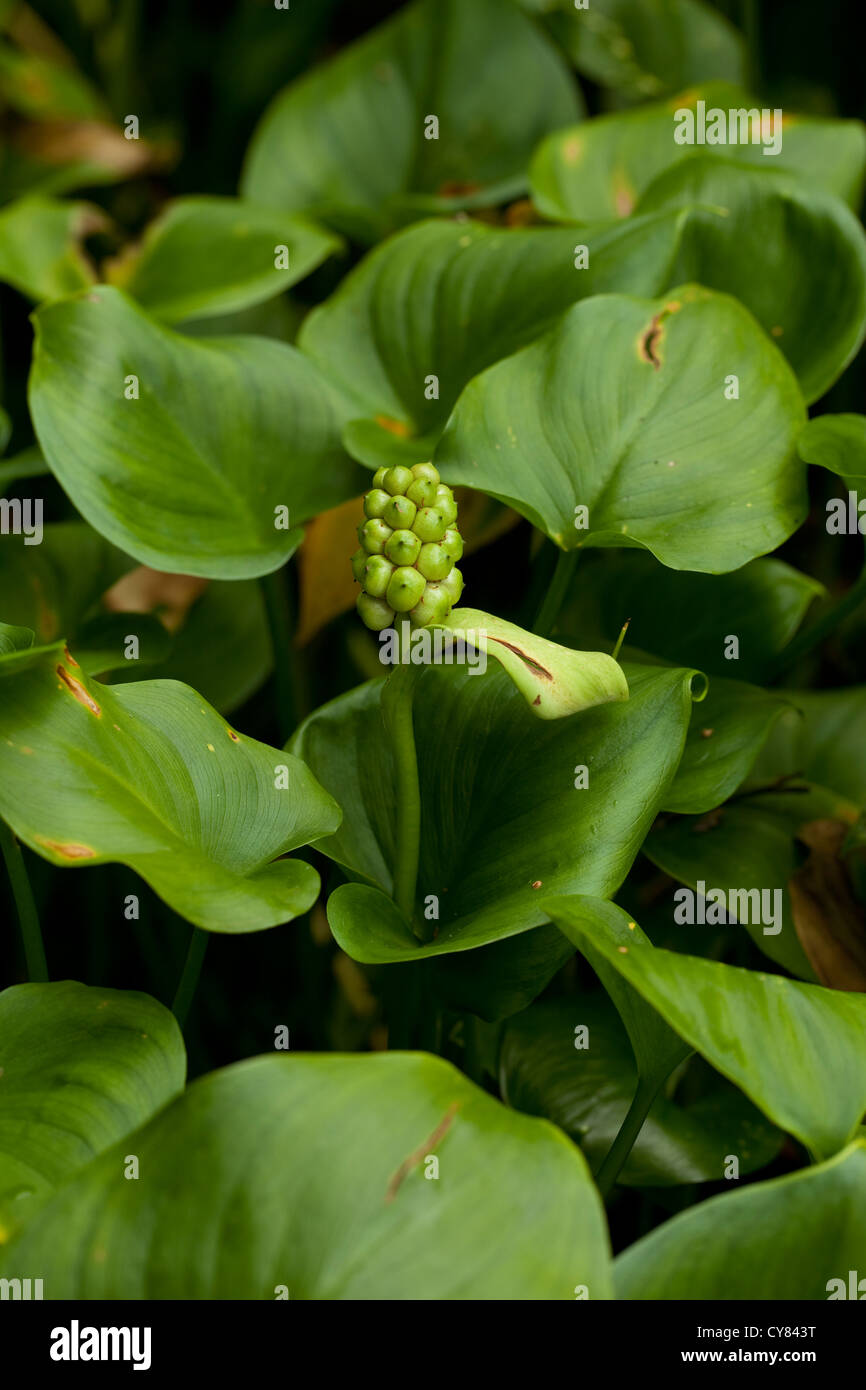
<point>410,546</point>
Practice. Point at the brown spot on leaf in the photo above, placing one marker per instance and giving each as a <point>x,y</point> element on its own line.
<point>417,1155</point>
<point>536,884</point>
<point>67,851</point>
<point>69,657</point>
<point>386,422</point>
<point>77,689</point>
<point>233,736</point>
<point>534,666</point>
<point>707,733</point>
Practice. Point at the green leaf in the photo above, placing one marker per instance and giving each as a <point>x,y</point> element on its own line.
<point>347,141</point>
<point>189,476</point>
<point>822,737</point>
<point>725,737</point>
<point>14,639</point>
<point>599,169</point>
<point>553,680</point>
<point>500,809</point>
<point>147,775</point>
<point>29,463</point>
<point>643,48</point>
<point>444,300</point>
<point>760,239</point>
<point>40,252</point>
<point>621,409</point>
<point>785,1239</point>
<point>750,843</point>
<point>80,1068</point>
<point>51,587</point>
<point>587,1091</point>
<point>795,1049</point>
<point>309,1173</point>
<point>687,618</point>
<point>838,443</point>
<point>205,256</point>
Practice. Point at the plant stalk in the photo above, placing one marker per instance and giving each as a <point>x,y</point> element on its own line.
<point>190,975</point>
<point>397,700</point>
<point>566,562</point>
<point>646,1092</point>
<point>28,917</point>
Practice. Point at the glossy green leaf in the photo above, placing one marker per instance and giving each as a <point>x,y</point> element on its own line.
<point>750,843</point>
<point>587,1091</point>
<point>726,734</point>
<point>760,239</point>
<point>14,639</point>
<point>838,443</point>
<point>599,169</point>
<point>797,1237</point>
<point>191,475</point>
<point>308,1174</point>
<point>822,737</point>
<point>500,810</point>
<point>347,143</point>
<point>205,256</point>
<point>553,680</point>
<point>795,1049</point>
<point>621,409</point>
<point>53,586</point>
<point>148,775</point>
<point>40,252</point>
<point>437,303</point>
<point>688,618</point>
<point>80,1068</point>
<point>643,48</point>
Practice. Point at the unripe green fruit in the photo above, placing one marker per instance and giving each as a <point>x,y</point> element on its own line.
<point>405,589</point>
<point>375,502</point>
<point>453,585</point>
<point>377,575</point>
<point>430,524</point>
<point>400,513</point>
<point>445,504</point>
<point>422,492</point>
<point>403,547</point>
<point>434,562</point>
<point>359,560</point>
<point>374,612</point>
<point>397,480</point>
<point>426,471</point>
<point>379,477</point>
<point>434,606</point>
<point>452,542</point>
<point>373,535</point>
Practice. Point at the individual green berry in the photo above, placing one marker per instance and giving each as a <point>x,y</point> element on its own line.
<point>375,502</point>
<point>379,477</point>
<point>433,607</point>
<point>453,585</point>
<point>445,503</point>
<point>422,492</point>
<point>373,535</point>
<point>426,471</point>
<point>377,575</point>
<point>374,612</point>
<point>430,524</point>
<point>402,547</point>
<point>397,480</point>
<point>359,560</point>
<point>434,561</point>
<point>452,541</point>
<point>405,589</point>
<point>400,513</point>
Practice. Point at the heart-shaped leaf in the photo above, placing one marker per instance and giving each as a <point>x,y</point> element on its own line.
<point>759,239</point>
<point>148,775</point>
<point>477,293</point>
<point>40,251</point>
<point>643,48</point>
<point>185,453</point>
<point>725,737</point>
<point>798,1237</point>
<point>669,424</point>
<point>205,256</point>
<point>838,443</point>
<point>510,804</point>
<point>586,1087</point>
<point>306,1175</point>
<point>79,1069</point>
<point>750,843</point>
<point>600,169</point>
<point>354,144</point>
<point>795,1049</point>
